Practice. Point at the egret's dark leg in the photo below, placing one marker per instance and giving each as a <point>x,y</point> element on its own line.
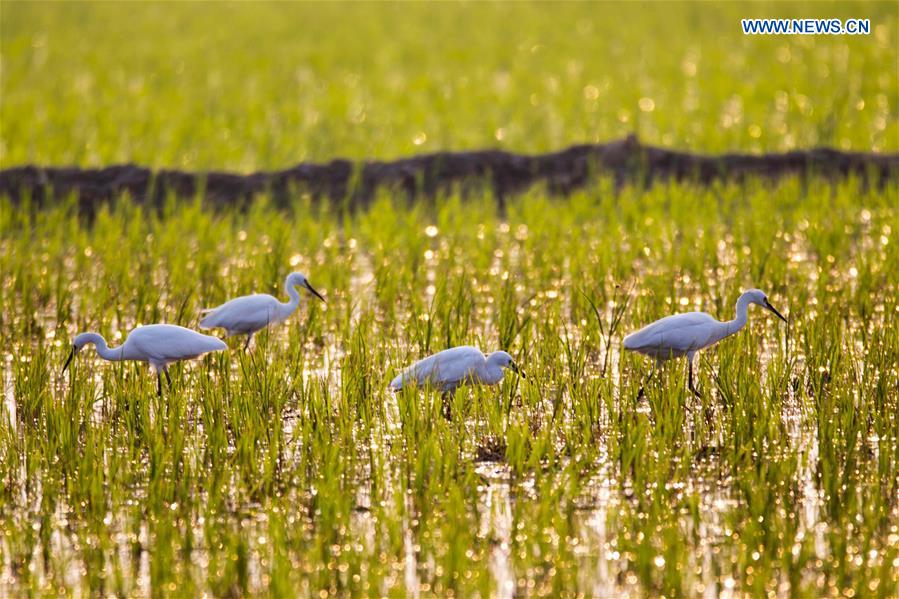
<point>643,383</point>
<point>447,397</point>
<point>246,345</point>
<point>168,379</point>
<point>692,388</point>
<point>158,384</point>
<point>447,407</point>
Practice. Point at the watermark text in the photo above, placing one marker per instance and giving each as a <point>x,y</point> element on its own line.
<point>806,26</point>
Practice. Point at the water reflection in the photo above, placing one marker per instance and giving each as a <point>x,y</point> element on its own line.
<point>611,505</point>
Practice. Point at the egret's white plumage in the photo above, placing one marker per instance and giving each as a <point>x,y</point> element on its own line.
<point>157,344</point>
<point>685,334</point>
<point>250,313</point>
<point>451,368</point>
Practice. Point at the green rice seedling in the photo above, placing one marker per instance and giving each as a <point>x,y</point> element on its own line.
<point>290,468</point>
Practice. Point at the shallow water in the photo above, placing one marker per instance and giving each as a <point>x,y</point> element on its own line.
<point>602,570</point>
<point>290,469</point>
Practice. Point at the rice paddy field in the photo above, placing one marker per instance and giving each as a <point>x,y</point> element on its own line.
<point>290,469</point>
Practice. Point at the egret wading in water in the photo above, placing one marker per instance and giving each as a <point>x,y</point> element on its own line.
<point>158,344</point>
<point>250,313</point>
<point>451,368</point>
<point>686,334</point>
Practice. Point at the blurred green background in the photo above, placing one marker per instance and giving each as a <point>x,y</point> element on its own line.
<point>289,469</point>
<point>250,86</point>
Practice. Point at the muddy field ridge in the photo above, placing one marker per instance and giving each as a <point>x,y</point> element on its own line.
<point>503,173</point>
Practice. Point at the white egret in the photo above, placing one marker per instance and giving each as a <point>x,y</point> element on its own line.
<point>451,368</point>
<point>685,334</point>
<point>158,344</point>
<point>250,313</point>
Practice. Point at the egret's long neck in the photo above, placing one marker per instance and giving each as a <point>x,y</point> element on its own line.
<point>287,308</point>
<point>742,316</point>
<point>490,372</point>
<point>107,353</point>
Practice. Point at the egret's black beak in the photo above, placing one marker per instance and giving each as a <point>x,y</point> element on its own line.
<point>514,368</point>
<point>770,307</point>
<point>69,360</point>
<point>314,292</point>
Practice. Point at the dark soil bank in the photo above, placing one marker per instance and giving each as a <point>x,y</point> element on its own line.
<point>504,173</point>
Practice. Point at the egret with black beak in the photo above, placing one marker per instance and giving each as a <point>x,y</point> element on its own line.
<point>248,314</point>
<point>451,368</point>
<point>686,334</point>
<point>157,344</point>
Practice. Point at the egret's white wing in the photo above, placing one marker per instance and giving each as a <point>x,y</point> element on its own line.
<point>676,334</point>
<point>243,314</point>
<point>163,343</point>
<point>446,369</point>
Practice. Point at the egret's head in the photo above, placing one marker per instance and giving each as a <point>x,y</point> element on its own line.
<point>757,296</point>
<point>80,341</point>
<point>298,279</point>
<point>504,360</point>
